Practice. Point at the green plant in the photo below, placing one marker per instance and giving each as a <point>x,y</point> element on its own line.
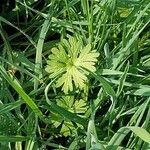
<point>105,102</point>
<point>67,63</point>
<point>73,105</point>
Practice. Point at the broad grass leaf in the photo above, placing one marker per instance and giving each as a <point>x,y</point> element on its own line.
<point>122,132</point>
<point>142,133</point>
<point>107,87</point>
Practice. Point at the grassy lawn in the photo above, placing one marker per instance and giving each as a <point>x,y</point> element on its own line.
<point>75,75</point>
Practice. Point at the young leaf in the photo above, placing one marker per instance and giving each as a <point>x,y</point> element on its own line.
<point>68,61</point>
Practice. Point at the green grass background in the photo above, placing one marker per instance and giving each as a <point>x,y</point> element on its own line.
<point>115,113</point>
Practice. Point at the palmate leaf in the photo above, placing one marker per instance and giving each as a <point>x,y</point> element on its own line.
<point>68,61</point>
<point>77,106</point>
<point>72,74</point>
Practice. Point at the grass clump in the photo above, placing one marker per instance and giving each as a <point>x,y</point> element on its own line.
<point>75,75</point>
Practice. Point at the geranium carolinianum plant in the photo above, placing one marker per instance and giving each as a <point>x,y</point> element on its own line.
<point>76,106</point>
<point>69,62</point>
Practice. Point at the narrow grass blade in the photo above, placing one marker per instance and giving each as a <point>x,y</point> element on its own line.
<point>13,82</point>
<point>13,138</point>
<point>107,87</point>
<point>116,73</point>
<point>44,30</point>
<point>140,15</point>
<point>118,57</point>
<point>121,133</point>
<point>119,136</point>
<point>5,108</point>
<point>9,23</point>
<point>142,133</point>
<point>122,80</point>
<point>73,145</point>
<point>97,146</point>
<point>92,139</point>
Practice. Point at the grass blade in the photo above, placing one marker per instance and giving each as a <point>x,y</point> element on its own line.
<point>13,82</point>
